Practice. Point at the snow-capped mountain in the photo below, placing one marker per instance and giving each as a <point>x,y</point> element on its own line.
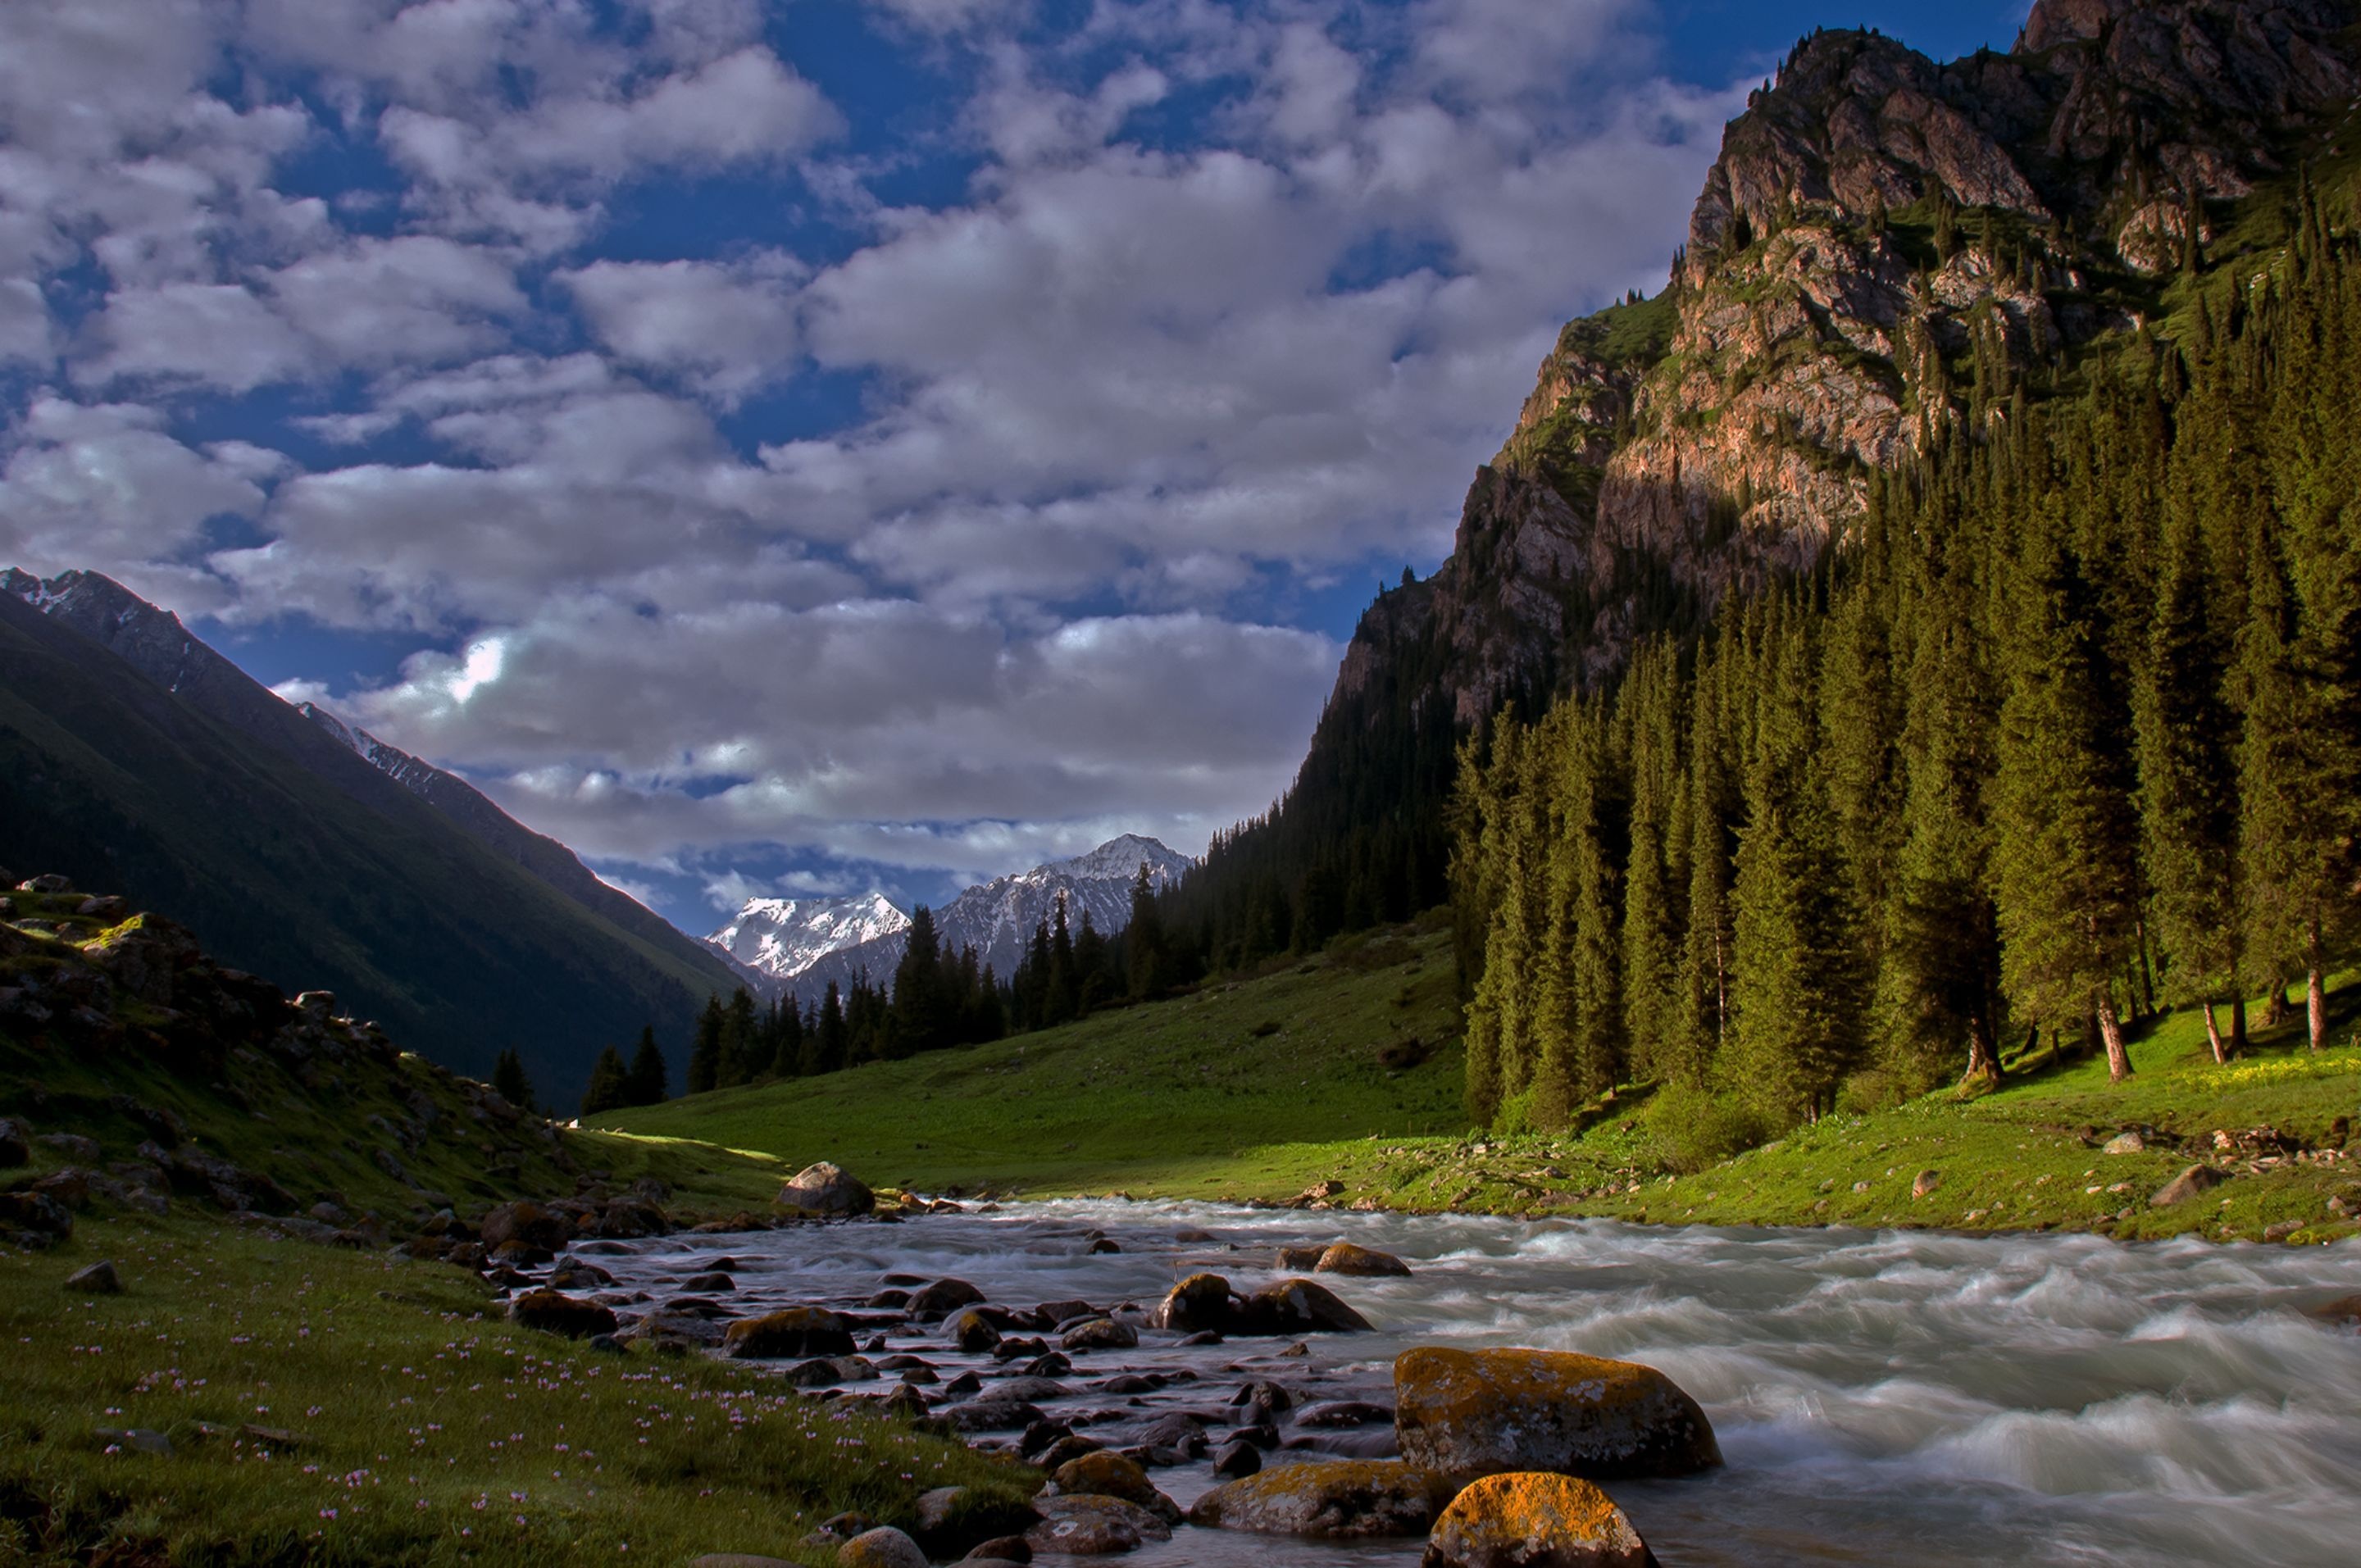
<point>803,942</point>
<point>997,918</point>
<point>782,937</point>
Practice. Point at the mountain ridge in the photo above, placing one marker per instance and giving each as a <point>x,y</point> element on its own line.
<point>996,919</point>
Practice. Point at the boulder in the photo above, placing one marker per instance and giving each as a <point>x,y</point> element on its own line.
<point>34,1219</point>
<point>1003,1549</point>
<point>1296,1259</point>
<point>793,1332</point>
<point>1100,1334</point>
<point>941,1299</point>
<point>1346,1258</point>
<point>1109,1475</point>
<point>2187,1185</point>
<point>2345,1310</point>
<point>2125,1143</point>
<point>1924,1183</point>
<point>525,1221</point>
<point>953,1519</point>
<point>1474,1413</point>
<point>555,1312</point>
<point>1534,1521</point>
<point>98,1279</point>
<point>1202,1301</point>
<point>1236,1459</point>
<point>1296,1306</point>
<point>989,1414</point>
<point>970,1330</point>
<point>886,1547</point>
<point>16,1143</point>
<point>1093,1527</point>
<point>827,1191</point>
<point>1359,1498</point>
<point>72,1145</point>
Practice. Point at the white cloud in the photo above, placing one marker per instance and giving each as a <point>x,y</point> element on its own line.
<point>414,300</point>
<point>726,328</point>
<point>216,333</point>
<point>104,486</point>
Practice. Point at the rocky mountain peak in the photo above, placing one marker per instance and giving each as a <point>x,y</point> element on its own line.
<point>1881,239</point>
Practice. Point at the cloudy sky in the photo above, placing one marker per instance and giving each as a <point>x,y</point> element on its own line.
<point>814,446</point>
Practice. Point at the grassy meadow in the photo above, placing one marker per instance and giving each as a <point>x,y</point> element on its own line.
<point>1255,1089</point>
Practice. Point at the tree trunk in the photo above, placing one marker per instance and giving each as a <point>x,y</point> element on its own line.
<point>2275,1010</point>
<point>2213,1035</point>
<point>1984,1055</point>
<point>2238,1025</point>
<point>2111,1031</point>
<point>2315,987</point>
<point>2147,972</point>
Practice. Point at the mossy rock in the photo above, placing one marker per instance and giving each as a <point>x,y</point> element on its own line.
<point>793,1331</point>
<point>1474,1413</point>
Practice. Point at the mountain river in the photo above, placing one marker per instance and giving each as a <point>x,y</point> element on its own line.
<point>1880,1398</point>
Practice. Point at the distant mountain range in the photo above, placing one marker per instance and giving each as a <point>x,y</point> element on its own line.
<point>802,944</point>
<point>133,757</point>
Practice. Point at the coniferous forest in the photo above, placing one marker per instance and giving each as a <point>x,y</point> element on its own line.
<point>2066,730</point>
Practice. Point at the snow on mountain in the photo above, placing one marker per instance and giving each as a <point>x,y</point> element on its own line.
<point>810,942</point>
<point>782,937</point>
<point>997,918</point>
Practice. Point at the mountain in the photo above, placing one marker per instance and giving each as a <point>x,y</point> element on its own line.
<point>996,919</point>
<point>781,937</point>
<point>132,756</point>
<point>1881,241</point>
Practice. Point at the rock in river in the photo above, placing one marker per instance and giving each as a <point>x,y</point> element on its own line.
<point>793,1331</point>
<point>1093,1527</point>
<point>555,1312</point>
<point>1534,1521</point>
<point>1346,1258</point>
<point>1296,1306</point>
<point>880,1549</point>
<point>1199,1302</point>
<point>1358,1498</point>
<point>1472,1413</point>
<point>826,1190</point>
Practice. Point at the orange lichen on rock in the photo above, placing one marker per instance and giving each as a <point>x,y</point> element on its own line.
<point>1535,1520</point>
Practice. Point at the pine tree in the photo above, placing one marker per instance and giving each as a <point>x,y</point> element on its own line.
<point>610,1083</point>
<point>705,1055</point>
<point>649,1074</point>
<point>509,1079</point>
<point>922,1000</point>
<point>1143,941</point>
<point>741,1057</point>
<point>2066,836</point>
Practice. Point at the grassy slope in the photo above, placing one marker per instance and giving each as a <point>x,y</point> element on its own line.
<point>1182,1099</point>
<point>432,1430</point>
<point>1178,1097</point>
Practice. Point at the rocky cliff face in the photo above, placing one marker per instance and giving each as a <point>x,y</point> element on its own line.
<point>1881,241</point>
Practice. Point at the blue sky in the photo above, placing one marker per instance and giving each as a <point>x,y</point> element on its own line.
<point>808,446</point>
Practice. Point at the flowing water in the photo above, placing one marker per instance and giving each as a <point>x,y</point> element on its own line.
<point>1886,1398</point>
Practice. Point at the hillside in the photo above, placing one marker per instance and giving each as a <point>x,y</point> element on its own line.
<point>289,855</point>
<point>1187,1096</point>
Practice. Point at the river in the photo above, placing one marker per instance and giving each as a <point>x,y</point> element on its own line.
<point>1880,1398</point>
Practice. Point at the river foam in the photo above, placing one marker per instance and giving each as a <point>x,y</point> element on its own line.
<point>1888,1397</point>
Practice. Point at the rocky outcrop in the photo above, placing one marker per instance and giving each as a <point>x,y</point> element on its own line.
<point>1876,225</point>
<point>1534,1521</point>
<point>1345,1500</point>
<point>1474,1413</point>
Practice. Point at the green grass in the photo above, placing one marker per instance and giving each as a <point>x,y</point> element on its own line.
<point>1190,1097</point>
<point>427,1429</point>
<point>1186,1099</point>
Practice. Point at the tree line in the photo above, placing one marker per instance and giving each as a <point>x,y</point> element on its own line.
<point>2066,729</point>
<point>934,1000</point>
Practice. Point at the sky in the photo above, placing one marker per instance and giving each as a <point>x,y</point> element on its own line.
<point>821,445</point>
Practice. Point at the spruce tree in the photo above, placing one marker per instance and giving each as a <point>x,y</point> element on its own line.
<point>609,1084</point>
<point>705,1054</point>
<point>2066,839</point>
<point>649,1074</point>
<point>1143,941</point>
<point>509,1079</point>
